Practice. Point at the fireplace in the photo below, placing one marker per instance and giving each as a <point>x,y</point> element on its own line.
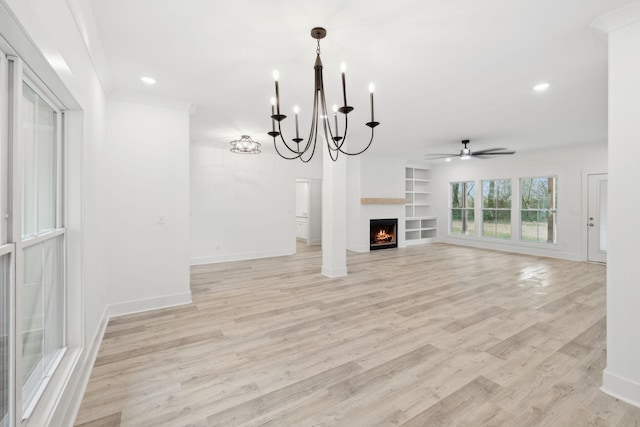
<point>382,233</point>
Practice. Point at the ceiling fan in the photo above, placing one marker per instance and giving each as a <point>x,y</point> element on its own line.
<point>466,153</point>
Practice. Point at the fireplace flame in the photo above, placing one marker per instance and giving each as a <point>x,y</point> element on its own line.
<point>382,236</point>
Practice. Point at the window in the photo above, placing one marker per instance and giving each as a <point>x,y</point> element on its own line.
<point>462,204</point>
<point>538,209</point>
<point>34,300</point>
<point>41,254</point>
<point>496,208</point>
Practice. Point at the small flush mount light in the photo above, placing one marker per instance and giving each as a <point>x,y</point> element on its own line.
<point>541,87</point>
<point>245,145</point>
<point>148,80</point>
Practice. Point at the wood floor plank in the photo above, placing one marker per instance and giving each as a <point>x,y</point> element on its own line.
<point>272,400</point>
<point>426,335</point>
<point>475,393</point>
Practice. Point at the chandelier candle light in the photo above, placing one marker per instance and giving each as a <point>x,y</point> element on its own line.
<point>335,143</point>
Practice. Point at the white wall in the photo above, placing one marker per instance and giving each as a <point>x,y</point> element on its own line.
<point>148,196</point>
<point>243,206</point>
<point>621,378</point>
<point>571,165</point>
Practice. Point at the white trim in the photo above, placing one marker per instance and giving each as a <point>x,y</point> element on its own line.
<point>618,18</point>
<point>334,272</point>
<point>40,238</point>
<point>360,248</point>
<point>130,307</point>
<point>508,246</point>
<point>621,388</point>
<point>241,256</point>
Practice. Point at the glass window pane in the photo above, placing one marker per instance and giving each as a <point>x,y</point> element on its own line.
<point>4,336</point>
<point>468,222</point>
<point>489,223</point>
<point>39,177</point>
<point>538,193</point>
<point>456,221</point>
<point>456,194</point>
<point>603,216</point>
<point>42,309</point>
<point>503,224</point>
<point>488,194</point>
<point>503,194</point>
<point>46,167</point>
<point>538,226</point>
<point>29,184</point>
<point>469,194</point>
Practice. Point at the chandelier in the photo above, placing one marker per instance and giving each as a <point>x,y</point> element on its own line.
<point>245,145</point>
<point>320,118</point>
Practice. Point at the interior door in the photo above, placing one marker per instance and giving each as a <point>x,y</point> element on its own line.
<point>597,218</point>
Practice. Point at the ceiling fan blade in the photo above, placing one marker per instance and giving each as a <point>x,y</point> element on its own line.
<point>477,154</point>
<point>440,156</point>
<point>489,150</point>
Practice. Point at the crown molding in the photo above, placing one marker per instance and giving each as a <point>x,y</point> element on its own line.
<point>618,18</point>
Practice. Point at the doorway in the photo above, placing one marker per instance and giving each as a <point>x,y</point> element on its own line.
<point>597,218</point>
<point>309,210</point>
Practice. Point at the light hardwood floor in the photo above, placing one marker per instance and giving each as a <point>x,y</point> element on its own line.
<point>420,336</point>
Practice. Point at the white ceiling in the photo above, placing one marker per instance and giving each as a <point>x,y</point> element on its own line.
<point>444,70</point>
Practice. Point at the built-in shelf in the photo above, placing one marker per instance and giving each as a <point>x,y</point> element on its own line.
<point>420,224</point>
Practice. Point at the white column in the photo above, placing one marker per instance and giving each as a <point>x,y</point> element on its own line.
<point>334,215</point>
<point>621,377</point>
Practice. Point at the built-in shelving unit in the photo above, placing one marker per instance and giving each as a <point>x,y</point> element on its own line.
<point>420,223</point>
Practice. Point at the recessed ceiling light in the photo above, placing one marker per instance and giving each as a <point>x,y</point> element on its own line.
<point>448,159</point>
<point>148,80</point>
<point>541,87</point>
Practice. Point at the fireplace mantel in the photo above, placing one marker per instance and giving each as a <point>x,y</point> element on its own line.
<point>383,201</point>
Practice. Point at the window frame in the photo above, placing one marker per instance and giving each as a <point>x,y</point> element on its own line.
<point>22,407</point>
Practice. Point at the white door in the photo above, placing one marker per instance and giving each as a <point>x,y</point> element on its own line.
<point>597,218</point>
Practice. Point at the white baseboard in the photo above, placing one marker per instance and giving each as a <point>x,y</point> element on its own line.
<point>241,256</point>
<point>621,388</point>
<point>334,272</point>
<point>129,307</point>
<point>358,248</point>
<point>536,250</point>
